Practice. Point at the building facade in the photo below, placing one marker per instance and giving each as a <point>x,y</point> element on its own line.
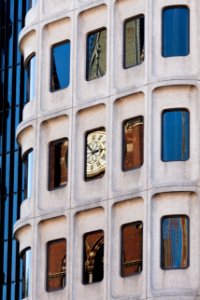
<point>110,146</point>
<point>12,99</point>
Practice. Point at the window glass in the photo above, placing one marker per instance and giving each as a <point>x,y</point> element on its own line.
<point>175,242</point>
<point>93,253</point>
<point>28,173</point>
<point>31,69</point>
<point>131,249</point>
<point>95,153</point>
<point>133,131</point>
<point>58,163</point>
<point>175,135</point>
<point>175,31</point>
<point>26,272</point>
<point>134,41</point>
<point>96,54</point>
<point>60,66</point>
<point>56,265</point>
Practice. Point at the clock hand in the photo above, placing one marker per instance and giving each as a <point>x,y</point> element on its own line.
<point>90,148</point>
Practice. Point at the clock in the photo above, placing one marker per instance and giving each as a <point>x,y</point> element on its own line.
<point>95,154</point>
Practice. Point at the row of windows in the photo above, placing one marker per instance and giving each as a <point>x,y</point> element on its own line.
<point>175,42</point>
<point>175,147</point>
<point>174,253</point>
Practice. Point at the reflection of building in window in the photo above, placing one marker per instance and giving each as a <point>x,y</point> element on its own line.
<point>93,245</point>
<point>134,41</point>
<point>175,31</point>
<point>96,54</point>
<point>95,151</point>
<point>60,66</point>
<point>58,163</point>
<point>131,254</point>
<point>26,272</point>
<point>133,131</point>
<point>56,265</point>
<point>28,173</point>
<point>175,135</point>
<point>31,69</point>
<point>175,242</point>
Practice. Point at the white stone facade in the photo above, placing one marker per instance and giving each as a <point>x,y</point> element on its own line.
<point>154,190</point>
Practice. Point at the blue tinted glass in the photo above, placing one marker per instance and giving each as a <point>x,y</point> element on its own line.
<point>14,254</point>
<point>10,45</point>
<point>16,172</point>
<point>60,66</point>
<point>6,218</point>
<point>7,115</point>
<point>12,6</point>
<point>175,35</point>
<point>5,292</point>
<point>1,131</point>
<point>9,87</point>
<point>15,208</point>
<point>5,261</point>
<point>175,237</point>
<point>17,120</point>
<point>175,135</point>
<point>19,27</point>
<point>7,171</point>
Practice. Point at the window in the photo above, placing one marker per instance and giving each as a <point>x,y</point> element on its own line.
<point>133,131</point>
<point>93,253</point>
<point>31,73</point>
<point>133,41</point>
<point>95,153</point>
<point>26,272</point>
<point>175,242</point>
<point>28,173</point>
<point>175,31</point>
<point>131,249</point>
<point>175,135</point>
<point>32,3</point>
<point>60,66</point>
<point>58,163</point>
<point>56,265</point>
<point>96,54</point>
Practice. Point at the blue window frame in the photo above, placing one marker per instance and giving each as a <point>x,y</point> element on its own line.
<point>175,31</point>
<point>60,66</point>
<point>175,135</point>
<point>175,242</point>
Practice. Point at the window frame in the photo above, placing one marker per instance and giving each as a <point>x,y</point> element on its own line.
<point>24,279</point>
<point>26,171</point>
<point>28,77</point>
<point>121,248</point>
<point>87,50</point>
<point>161,243</point>
<point>139,16</point>
<point>162,29</point>
<point>51,64</point>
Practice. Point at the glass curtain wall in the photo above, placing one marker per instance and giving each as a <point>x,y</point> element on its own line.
<point>12,97</point>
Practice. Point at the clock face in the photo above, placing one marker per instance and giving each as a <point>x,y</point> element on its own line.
<point>95,153</point>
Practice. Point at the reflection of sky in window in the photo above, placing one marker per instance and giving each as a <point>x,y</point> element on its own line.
<point>60,72</point>
<point>175,33</point>
<point>175,135</point>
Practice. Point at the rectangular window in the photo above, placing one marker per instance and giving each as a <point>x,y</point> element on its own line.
<point>26,272</point>
<point>133,41</point>
<point>93,256</point>
<point>95,153</point>
<point>133,136</point>
<point>56,265</point>
<point>58,163</point>
<point>131,248</point>
<point>60,66</point>
<point>28,173</point>
<point>96,54</point>
<point>174,242</point>
<point>175,31</point>
<point>175,135</point>
<point>31,75</point>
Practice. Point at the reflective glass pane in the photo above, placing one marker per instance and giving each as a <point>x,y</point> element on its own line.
<point>131,249</point>
<point>95,153</point>
<point>93,256</point>
<point>7,115</point>
<point>9,88</point>
<point>16,171</point>
<point>31,69</point>
<point>28,173</point>
<point>60,66</point>
<point>58,163</point>
<point>26,272</point>
<point>13,263</point>
<point>175,135</point>
<point>134,42</point>
<point>6,218</point>
<point>133,131</point>
<point>10,33</point>
<point>175,31</point>
<point>7,173</point>
<point>175,242</point>
<point>5,262</point>
<point>56,265</point>
<point>18,85</point>
<point>15,209</point>
<point>96,54</point>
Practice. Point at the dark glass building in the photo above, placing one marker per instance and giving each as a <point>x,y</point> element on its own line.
<point>12,98</point>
